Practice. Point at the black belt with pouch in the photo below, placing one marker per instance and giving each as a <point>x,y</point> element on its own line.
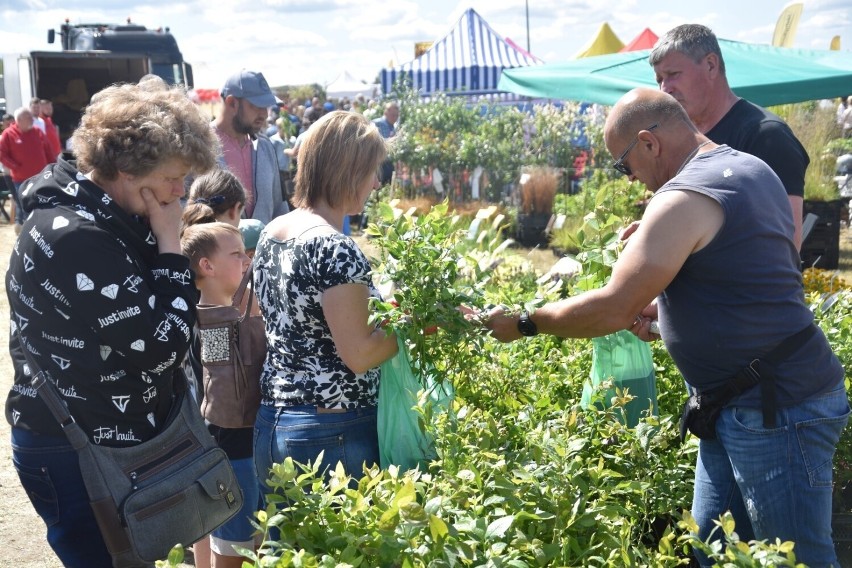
<point>702,409</point>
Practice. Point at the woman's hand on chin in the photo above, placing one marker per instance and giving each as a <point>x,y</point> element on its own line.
<point>165,221</point>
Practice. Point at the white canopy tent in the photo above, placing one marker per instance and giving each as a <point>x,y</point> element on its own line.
<point>347,86</point>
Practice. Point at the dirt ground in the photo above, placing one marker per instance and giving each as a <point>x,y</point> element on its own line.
<point>22,533</point>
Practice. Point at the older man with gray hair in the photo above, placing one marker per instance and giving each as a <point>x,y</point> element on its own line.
<point>24,151</point>
<point>688,65</point>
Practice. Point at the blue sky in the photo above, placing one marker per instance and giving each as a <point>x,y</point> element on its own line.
<point>313,41</point>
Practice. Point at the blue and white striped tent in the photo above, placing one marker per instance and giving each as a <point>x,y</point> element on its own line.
<point>469,59</point>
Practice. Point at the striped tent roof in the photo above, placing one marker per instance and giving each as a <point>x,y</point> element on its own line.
<point>470,58</point>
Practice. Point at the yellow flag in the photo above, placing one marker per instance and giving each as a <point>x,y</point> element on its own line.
<point>421,47</point>
<point>785,28</point>
<point>835,43</point>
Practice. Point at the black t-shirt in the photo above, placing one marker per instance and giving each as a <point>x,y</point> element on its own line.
<point>105,315</point>
<point>752,129</point>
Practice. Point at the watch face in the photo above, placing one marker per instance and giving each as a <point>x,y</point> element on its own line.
<point>526,326</point>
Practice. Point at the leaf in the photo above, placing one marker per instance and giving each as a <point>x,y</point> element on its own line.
<point>433,505</point>
<point>497,529</point>
<point>386,212</point>
<point>176,555</point>
<point>688,522</point>
<point>437,528</point>
<point>406,494</point>
<point>728,523</point>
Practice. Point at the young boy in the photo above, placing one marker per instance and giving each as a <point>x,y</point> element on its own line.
<point>218,258</point>
<point>251,229</point>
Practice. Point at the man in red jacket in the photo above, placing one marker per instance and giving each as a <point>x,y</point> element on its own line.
<point>50,129</point>
<point>24,151</point>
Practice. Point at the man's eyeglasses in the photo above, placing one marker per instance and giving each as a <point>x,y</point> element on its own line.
<point>619,164</point>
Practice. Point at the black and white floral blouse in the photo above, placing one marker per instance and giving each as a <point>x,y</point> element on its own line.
<point>302,364</point>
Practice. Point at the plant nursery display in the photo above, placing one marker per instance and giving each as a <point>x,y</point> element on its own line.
<point>523,475</point>
<point>543,451</point>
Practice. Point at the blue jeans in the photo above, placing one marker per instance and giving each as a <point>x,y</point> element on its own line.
<point>776,482</point>
<point>238,530</point>
<point>16,198</point>
<point>50,474</point>
<point>300,433</point>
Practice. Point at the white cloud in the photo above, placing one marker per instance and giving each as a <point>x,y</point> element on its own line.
<point>312,41</point>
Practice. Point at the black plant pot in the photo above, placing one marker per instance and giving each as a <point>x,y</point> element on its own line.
<point>821,247</point>
<point>531,229</point>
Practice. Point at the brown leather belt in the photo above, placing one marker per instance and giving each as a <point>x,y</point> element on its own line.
<point>322,410</point>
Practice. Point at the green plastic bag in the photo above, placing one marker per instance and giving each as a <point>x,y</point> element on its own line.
<point>402,442</point>
<point>627,360</point>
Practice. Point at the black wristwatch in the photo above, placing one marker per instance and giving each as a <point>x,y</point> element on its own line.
<point>527,326</point>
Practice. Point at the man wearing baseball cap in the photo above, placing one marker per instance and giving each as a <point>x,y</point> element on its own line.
<point>246,152</point>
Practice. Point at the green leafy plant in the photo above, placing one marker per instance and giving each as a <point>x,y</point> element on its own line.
<point>456,137</point>
<point>838,147</point>
<point>604,199</point>
<point>524,476</point>
<point>598,238</point>
<point>730,551</point>
<point>421,258</point>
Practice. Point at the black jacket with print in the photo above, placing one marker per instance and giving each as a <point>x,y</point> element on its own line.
<point>107,318</point>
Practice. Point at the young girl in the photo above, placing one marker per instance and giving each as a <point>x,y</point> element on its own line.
<point>218,258</point>
<point>216,196</point>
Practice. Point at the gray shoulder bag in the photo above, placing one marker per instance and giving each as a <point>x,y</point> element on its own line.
<point>175,488</point>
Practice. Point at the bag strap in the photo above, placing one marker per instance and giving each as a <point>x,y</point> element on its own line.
<point>248,278</point>
<point>789,346</point>
<point>762,371</point>
<point>767,365</point>
<point>311,228</point>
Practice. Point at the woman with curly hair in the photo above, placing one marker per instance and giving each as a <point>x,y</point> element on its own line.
<point>101,295</point>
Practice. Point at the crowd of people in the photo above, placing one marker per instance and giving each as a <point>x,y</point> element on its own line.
<point>28,142</point>
<point>844,116</point>
<point>714,260</point>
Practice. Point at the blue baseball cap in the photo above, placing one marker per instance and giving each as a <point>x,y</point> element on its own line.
<point>249,85</point>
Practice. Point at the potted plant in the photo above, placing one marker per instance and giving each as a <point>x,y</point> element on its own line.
<point>815,129</point>
<point>821,245</point>
<point>537,190</point>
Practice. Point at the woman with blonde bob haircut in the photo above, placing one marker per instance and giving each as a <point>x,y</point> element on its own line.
<point>334,154</point>
<point>319,384</point>
<point>102,296</point>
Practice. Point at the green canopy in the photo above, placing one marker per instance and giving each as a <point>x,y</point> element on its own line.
<point>763,74</point>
